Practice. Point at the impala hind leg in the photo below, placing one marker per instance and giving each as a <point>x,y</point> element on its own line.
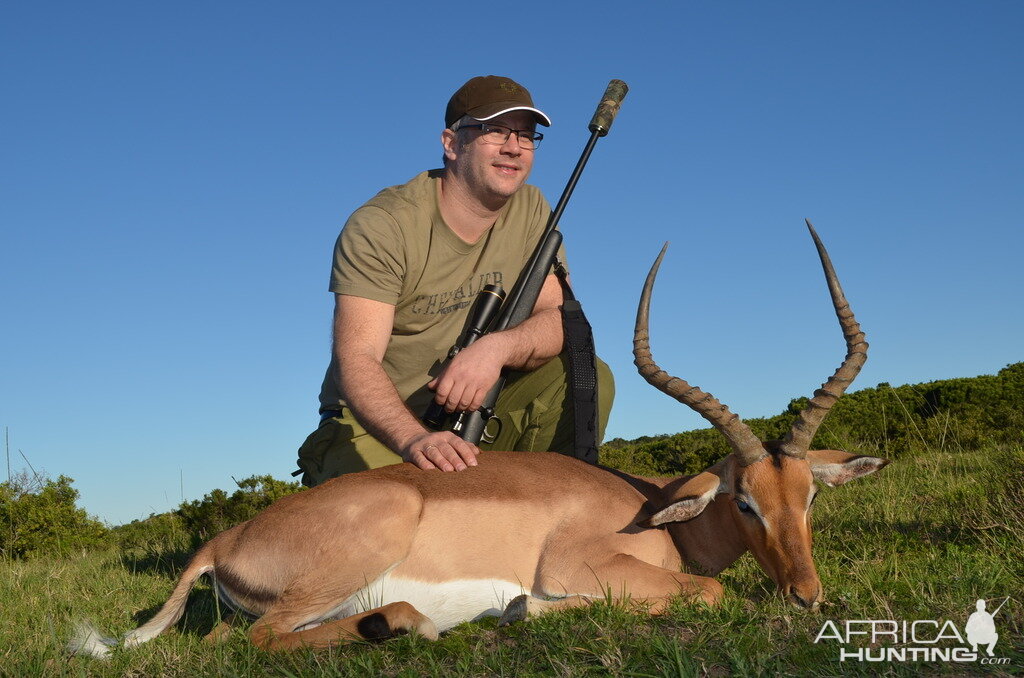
<point>222,631</point>
<point>380,623</point>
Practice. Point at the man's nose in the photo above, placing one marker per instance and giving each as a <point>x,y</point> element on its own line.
<point>511,145</point>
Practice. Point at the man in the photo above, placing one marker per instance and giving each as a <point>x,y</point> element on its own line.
<point>407,267</point>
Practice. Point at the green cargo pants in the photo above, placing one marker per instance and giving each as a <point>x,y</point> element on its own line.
<point>531,409</point>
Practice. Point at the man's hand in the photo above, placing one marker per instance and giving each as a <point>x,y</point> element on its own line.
<point>464,383</point>
<point>466,380</point>
<point>440,450</point>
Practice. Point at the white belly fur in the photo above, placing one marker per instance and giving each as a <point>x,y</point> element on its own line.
<point>446,603</point>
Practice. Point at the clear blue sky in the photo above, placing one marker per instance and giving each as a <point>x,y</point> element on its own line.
<point>174,176</point>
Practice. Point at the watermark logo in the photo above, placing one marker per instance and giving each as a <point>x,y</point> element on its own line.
<point>921,640</point>
<point>981,628</point>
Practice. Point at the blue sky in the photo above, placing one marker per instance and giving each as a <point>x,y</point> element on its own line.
<point>173,177</point>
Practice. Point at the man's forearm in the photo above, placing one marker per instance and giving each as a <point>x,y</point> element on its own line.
<point>373,399</point>
<point>361,331</point>
<point>466,380</point>
<point>534,341</point>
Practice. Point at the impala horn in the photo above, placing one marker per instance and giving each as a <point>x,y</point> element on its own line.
<point>745,444</point>
<point>798,440</point>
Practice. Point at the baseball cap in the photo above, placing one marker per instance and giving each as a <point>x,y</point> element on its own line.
<point>488,96</point>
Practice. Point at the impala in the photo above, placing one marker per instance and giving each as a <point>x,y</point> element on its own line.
<point>398,549</point>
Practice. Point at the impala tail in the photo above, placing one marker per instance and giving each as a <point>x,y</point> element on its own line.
<point>88,640</point>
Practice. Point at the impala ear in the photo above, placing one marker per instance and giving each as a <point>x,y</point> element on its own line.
<point>835,467</point>
<point>693,497</point>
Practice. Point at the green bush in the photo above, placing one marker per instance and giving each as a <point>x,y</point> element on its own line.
<point>216,512</point>
<point>39,516</point>
<point>159,532</point>
<point>949,415</point>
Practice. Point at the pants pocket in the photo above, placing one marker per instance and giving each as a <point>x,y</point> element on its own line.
<point>313,451</point>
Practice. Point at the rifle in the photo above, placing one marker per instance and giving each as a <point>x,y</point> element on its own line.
<point>1001,606</point>
<point>518,305</point>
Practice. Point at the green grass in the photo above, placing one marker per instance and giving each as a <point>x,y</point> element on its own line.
<point>922,539</point>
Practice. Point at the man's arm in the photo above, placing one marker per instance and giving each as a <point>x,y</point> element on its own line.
<point>362,328</point>
<point>468,378</point>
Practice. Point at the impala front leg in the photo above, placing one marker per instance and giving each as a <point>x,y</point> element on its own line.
<point>625,578</point>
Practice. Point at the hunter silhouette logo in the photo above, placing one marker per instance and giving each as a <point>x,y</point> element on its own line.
<point>981,627</point>
<point>888,640</point>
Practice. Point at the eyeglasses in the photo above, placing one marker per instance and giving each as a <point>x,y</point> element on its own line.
<point>498,134</point>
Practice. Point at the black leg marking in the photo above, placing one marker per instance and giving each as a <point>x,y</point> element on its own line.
<point>374,627</point>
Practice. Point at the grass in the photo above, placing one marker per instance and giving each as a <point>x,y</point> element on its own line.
<point>922,539</point>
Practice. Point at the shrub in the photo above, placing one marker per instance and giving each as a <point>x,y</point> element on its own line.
<point>159,532</point>
<point>39,516</point>
<point>946,415</point>
<point>217,511</point>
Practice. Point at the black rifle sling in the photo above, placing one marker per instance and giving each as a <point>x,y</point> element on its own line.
<point>579,352</point>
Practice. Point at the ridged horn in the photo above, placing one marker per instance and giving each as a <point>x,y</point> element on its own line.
<point>798,440</point>
<point>745,444</point>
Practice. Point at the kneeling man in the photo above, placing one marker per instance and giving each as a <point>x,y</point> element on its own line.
<point>407,267</point>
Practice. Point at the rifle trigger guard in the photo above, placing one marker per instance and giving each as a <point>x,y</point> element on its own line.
<point>488,437</point>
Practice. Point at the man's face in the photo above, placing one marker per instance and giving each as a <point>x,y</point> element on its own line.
<point>492,172</point>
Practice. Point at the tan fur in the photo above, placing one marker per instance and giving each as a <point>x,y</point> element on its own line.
<point>552,524</point>
<point>781,485</point>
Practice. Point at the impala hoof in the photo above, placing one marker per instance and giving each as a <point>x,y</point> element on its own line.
<point>515,611</point>
<point>427,629</point>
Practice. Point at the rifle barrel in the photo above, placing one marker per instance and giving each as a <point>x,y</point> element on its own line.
<point>521,299</point>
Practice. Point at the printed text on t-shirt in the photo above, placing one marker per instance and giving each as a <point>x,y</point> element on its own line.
<point>459,298</point>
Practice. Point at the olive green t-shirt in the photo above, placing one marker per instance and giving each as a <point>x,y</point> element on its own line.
<point>397,249</point>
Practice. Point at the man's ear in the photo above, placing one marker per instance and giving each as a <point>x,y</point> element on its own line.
<point>835,467</point>
<point>690,498</point>
<point>448,143</point>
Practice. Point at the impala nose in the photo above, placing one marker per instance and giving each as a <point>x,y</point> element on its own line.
<point>806,600</point>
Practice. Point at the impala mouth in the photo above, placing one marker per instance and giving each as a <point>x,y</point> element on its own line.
<point>796,600</point>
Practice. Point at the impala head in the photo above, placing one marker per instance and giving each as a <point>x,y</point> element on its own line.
<point>769,486</point>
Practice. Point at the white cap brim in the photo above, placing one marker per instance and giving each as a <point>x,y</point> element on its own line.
<point>542,117</point>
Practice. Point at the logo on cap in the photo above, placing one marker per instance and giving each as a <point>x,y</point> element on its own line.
<point>510,87</point>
